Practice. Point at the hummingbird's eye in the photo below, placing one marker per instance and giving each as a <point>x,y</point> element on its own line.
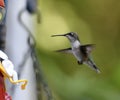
<point>71,34</point>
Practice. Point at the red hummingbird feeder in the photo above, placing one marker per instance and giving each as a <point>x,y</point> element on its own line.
<point>2,84</point>
<point>6,66</point>
<point>2,4</point>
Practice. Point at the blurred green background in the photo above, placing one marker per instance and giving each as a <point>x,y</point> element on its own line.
<point>97,22</point>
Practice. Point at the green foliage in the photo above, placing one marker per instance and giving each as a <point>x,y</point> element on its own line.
<point>96,21</point>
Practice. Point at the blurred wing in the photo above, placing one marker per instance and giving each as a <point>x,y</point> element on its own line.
<point>67,50</point>
<point>86,49</point>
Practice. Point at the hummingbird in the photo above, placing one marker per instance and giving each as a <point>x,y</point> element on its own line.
<point>81,52</point>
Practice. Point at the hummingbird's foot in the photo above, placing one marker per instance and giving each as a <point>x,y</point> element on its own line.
<point>80,62</point>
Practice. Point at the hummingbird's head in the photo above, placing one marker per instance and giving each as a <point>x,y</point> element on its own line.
<point>72,36</point>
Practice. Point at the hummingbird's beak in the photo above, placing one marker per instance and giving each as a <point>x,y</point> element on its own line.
<point>58,35</point>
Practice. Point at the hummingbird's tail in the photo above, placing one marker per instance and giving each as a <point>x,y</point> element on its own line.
<point>96,69</point>
<point>92,65</point>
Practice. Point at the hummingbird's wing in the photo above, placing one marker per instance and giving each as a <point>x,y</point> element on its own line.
<point>67,50</point>
<point>91,64</point>
<point>86,49</point>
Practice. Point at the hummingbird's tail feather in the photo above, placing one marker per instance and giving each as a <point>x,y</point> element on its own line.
<point>96,69</point>
<point>93,66</point>
<point>67,50</point>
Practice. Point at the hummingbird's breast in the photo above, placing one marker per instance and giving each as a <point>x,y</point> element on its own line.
<point>76,50</point>
<point>77,54</point>
<point>75,44</point>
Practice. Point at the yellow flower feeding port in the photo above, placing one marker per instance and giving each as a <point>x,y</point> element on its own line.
<point>5,75</point>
